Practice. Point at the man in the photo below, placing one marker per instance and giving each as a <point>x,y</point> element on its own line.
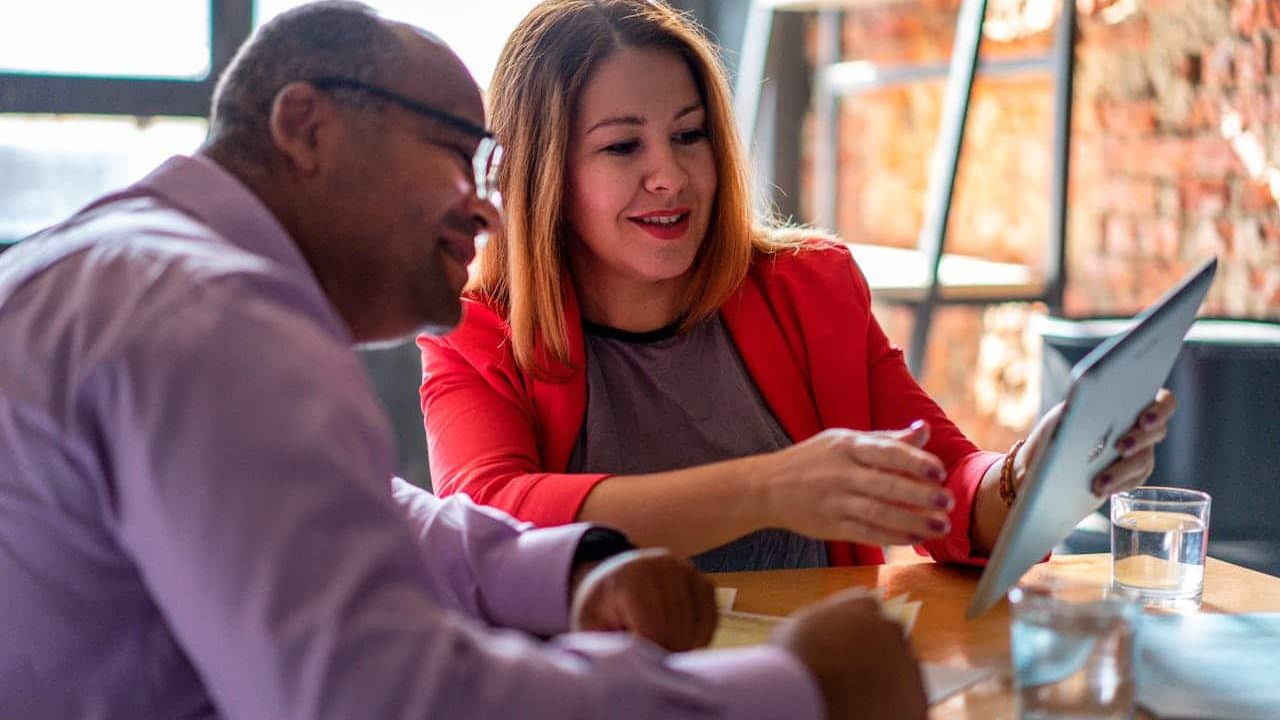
<point>194,511</point>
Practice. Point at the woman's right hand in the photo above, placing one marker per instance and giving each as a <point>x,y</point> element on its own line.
<point>873,488</point>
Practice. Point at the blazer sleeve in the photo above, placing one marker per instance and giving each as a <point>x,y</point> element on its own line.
<point>481,425</point>
<point>897,401</point>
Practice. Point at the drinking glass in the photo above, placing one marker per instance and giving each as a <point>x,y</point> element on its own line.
<point>1158,541</point>
<point>1073,648</point>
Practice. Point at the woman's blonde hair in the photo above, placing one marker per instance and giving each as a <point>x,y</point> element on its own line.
<point>540,75</point>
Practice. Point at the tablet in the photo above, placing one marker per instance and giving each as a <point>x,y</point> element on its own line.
<point>1109,388</point>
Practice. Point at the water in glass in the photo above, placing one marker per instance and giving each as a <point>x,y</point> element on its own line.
<point>1159,555</point>
<point>1073,665</point>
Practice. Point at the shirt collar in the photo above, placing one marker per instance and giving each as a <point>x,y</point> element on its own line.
<point>201,187</point>
<point>206,190</point>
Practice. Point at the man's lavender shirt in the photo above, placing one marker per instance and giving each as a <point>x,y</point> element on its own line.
<point>195,518</point>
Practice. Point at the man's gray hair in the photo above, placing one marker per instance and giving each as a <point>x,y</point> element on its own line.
<point>334,38</point>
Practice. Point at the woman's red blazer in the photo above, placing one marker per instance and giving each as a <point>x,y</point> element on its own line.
<point>803,326</point>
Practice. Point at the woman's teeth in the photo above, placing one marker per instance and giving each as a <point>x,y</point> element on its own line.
<point>662,219</point>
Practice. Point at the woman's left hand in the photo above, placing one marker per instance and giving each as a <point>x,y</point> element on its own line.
<point>1137,446</point>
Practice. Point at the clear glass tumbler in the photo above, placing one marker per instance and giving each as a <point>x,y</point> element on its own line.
<point>1073,651</point>
<point>1158,540</point>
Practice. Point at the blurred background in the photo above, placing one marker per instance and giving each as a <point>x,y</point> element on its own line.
<point>1093,160</point>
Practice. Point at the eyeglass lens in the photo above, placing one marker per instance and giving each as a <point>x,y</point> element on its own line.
<point>485,164</point>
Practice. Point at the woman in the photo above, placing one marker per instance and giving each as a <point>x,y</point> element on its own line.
<point>636,352</point>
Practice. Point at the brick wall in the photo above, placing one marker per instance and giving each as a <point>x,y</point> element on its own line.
<point>1156,183</point>
<point>1160,183</point>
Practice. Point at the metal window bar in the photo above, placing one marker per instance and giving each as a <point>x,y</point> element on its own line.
<point>942,170</point>
<point>1055,270</point>
<point>964,62</point>
<point>838,79</point>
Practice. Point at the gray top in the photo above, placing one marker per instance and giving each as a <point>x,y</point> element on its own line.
<point>661,401</point>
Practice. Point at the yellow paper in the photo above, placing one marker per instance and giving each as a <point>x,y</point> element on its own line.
<point>739,629</point>
<point>910,611</point>
<point>892,608</point>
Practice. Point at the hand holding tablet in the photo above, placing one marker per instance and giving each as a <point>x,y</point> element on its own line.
<point>1111,387</point>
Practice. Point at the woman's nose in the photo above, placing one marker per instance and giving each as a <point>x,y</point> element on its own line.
<point>666,173</point>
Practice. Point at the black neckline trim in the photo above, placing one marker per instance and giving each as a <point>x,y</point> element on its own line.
<point>665,332</point>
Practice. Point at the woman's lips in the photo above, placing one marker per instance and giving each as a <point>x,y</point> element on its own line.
<point>663,230</point>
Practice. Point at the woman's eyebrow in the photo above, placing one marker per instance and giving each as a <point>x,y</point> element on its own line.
<point>618,120</point>
<point>638,120</point>
<point>685,111</point>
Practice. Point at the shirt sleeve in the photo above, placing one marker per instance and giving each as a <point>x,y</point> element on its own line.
<point>474,554</point>
<point>247,465</point>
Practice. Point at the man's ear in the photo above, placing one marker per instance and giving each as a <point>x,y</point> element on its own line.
<point>300,119</point>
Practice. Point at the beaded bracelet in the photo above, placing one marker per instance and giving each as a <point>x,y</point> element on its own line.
<point>1007,492</point>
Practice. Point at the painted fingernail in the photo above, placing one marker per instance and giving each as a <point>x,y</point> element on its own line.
<point>916,425</point>
<point>1100,486</point>
<point>944,501</point>
<point>1127,444</point>
<point>916,539</point>
<point>1149,418</point>
<point>933,473</point>
<point>940,526</point>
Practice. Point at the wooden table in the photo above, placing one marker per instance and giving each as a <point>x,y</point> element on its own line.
<point>941,632</point>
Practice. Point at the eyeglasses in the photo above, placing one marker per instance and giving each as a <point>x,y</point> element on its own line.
<point>488,153</point>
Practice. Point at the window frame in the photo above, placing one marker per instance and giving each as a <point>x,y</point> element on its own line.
<point>230,23</point>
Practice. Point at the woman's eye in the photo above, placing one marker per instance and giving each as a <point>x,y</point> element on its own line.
<point>622,148</point>
<point>690,137</point>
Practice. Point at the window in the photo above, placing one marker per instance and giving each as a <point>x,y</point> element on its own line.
<point>51,165</point>
<point>73,37</point>
<point>97,94</point>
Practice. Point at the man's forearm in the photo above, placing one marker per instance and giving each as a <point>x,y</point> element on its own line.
<point>489,566</point>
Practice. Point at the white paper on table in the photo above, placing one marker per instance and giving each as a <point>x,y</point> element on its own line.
<point>943,681</point>
<point>725,597</point>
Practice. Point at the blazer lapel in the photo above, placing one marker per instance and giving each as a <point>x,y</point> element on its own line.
<point>560,395</point>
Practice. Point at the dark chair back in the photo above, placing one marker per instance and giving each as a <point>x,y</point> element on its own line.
<point>1224,438</point>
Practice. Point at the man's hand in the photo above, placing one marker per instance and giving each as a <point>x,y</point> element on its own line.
<point>862,662</point>
<point>651,593</point>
